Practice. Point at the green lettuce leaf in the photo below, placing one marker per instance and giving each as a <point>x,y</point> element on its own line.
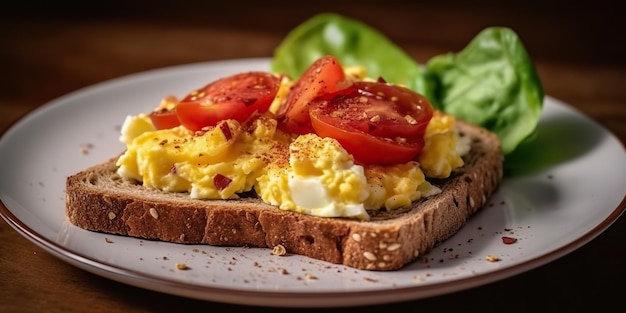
<point>492,83</point>
<point>353,43</point>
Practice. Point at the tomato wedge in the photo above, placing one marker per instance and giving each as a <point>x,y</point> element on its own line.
<point>376,122</point>
<point>233,97</point>
<point>324,76</point>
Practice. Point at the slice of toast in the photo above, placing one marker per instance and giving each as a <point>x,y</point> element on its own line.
<point>100,200</point>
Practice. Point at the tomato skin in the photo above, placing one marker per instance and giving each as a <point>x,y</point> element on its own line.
<point>324,76</point>
<point>376,122</point>
<point>233,97</point>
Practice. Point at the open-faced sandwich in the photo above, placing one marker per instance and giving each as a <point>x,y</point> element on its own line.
<point>333,164</point>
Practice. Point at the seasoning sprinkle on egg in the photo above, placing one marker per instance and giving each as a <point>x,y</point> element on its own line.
<point>306,172</point>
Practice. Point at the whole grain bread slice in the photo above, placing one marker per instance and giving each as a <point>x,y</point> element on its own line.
<point>100,200</point>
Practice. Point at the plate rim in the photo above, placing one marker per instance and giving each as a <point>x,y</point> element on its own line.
<point>269,298</point>
<point>296,299</point>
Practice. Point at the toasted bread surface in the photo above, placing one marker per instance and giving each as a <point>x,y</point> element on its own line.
<point>100,200</point>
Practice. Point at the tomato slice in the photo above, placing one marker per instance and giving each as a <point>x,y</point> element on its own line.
<point>233,97</point>
<point>325,75</point>
<point>164,118</point>
<point>383,109</point>
<point>377,123</point>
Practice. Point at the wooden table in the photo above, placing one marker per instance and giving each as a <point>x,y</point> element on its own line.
<point>50,50</point>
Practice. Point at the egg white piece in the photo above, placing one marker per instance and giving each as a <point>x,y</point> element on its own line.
<point>311,195</point>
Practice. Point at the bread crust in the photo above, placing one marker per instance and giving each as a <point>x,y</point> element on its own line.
<point>97,199</point>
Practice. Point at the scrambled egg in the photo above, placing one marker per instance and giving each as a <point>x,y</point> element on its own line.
<point>321,180</point>
<point>443,149</point>
<point>218,163</point>
<point>306,174</point>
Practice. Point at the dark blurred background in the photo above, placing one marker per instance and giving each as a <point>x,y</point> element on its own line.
<point>594,28</point>
<point>559,32</point>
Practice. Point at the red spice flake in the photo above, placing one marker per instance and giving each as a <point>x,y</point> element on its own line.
<point>508,240</point>
<point>221,182</point>
<point>226,130</point>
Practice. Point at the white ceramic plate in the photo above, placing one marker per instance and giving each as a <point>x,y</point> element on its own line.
<point>573,192</point>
